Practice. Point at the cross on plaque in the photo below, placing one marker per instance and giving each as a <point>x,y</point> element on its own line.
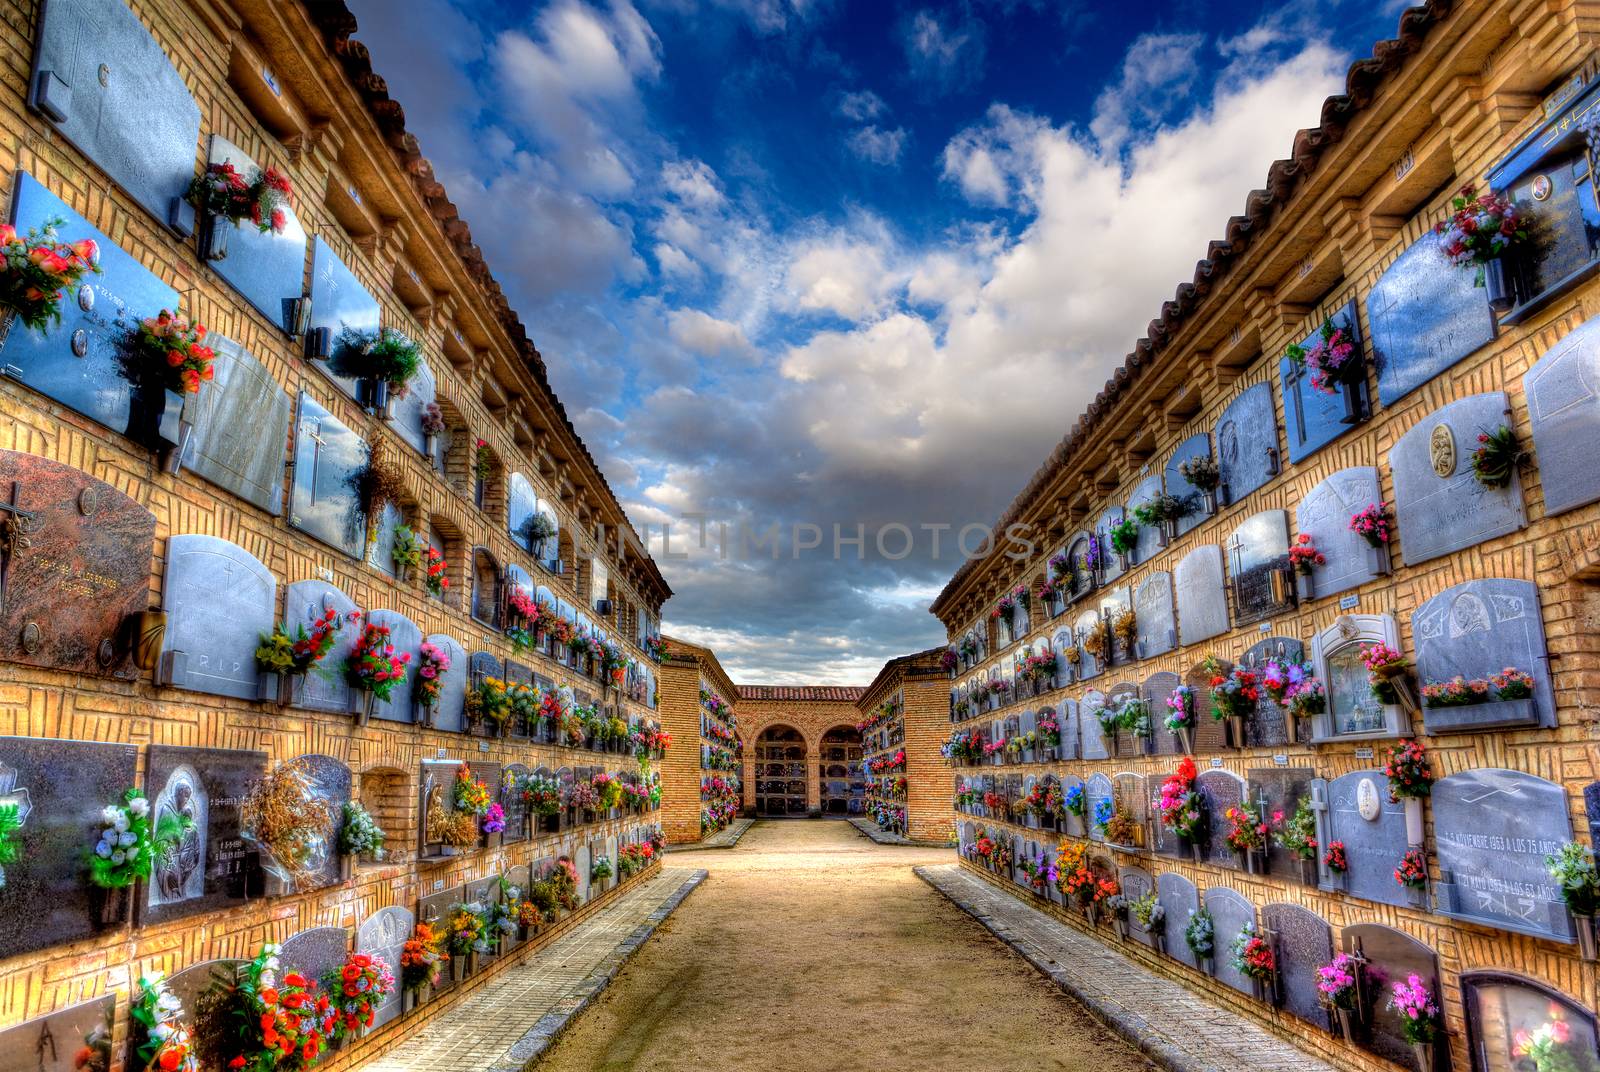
<point>15,525</point>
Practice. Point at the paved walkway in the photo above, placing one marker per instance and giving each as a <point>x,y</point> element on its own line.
<point>1177,1028</point>
<point>510,1020</point>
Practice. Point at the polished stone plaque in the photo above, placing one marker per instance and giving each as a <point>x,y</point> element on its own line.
<point>327,458</point>
<point>1425,314</point>
<point>220,600</point>
<point>241,428</point>
<point>210,866</point>
<point>267,268</point>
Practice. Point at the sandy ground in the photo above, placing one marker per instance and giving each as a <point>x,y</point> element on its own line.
<point>811,949</point>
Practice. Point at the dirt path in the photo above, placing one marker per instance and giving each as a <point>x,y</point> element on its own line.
<point>810,949</point>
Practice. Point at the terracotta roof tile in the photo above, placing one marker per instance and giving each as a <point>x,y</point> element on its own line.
<point>802,693</point>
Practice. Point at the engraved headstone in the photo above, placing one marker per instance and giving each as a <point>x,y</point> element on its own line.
<point>1073,825</point>
<point>1098,795</point>
<point>66,598</point>
<point>434,910</point>
<point>408,407</point>
<point>1179,901</point>
<point>338,301</point>
<point>1230,913</point>
<point>380,539</point>
<point>447,713</point>
<point>1247,442</point>
<point>211,865</point>
<point>1390,957</point>
<point>1324,515</point>
<point>518,826</point>
<point>220,600</point>
<point>1258,552</point>
<point>1196,446</point>
<point>1563,392</point>
<point>74,1039</point>
<point>407,640</point>
<point>304,603</point>
<point>1439,504</point>
<point>1475,630</point>
<point>580,859</point>
<point>383,935</point>
<point>1425,315</point>
<point>316,951</point>
<point>1112,604</point>
<point>1083,626</point>
<point>1372,846</point>
<point>240,427</point>
<point>1222,790</point>
<point>1209,735</point>
<point>195,987</point>
<point>1135,883</point>
<point>1202,599</point>
<point>1492,830</point>
<point>1316,418</point>
<point>1111,517</point>
<point>1152,603</point>
<point>107,86</point>
<point>1149,537</point>
<point>327,457</point>
<point>59,788</point>
<point>1304,942</point>
<point>267,268</point>
<point>330,782</point>
<point>1268,725</point>
<point>1280,789</point>
<point>1095,743</point>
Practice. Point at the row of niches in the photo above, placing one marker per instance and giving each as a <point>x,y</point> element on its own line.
<point>89,848</point>
<point>1480,663</point>
<point>1273,953</point>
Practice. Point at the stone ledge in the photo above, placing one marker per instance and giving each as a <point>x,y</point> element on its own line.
<point>726,838</point>
<point>870,829</point>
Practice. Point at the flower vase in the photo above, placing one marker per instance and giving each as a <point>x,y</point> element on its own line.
<point>361,703</point>
<point>1423,1051</point>
<point>1222,493</point>
<point>214,238</point>
<point>1186,740</point>
<point>1399,680</point>
<point>1121,926</point>
<point>430,447</point>
<point>1308,872</point>
<point>472,963</point>
<point>1417,896</point>
<point>408,1000</point>
<point>1236,730</point>
<point>1091,913</point>
<point>424,714</point>
<point>458,968</point>
<point>1353,409</point>
<point>1248,858</point>
<point>1502,295</point>
<point>1378,559</point>
<point>1124,560</point>
<point>1164,534</point>
<point>1208,965</point>
<point>1194,851</point>
<point>1413,809</point>
<point>1305,588</point>
<point>1160,938</point>
<point>1346,1024</point>
<point>1210,498</point>
<point>269,687</point>
<point>347,867</point>
<point>1584,926</point>
<point>112,904</point>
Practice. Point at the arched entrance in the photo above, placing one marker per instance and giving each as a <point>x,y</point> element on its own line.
<point>780,772</point>
<point>841,787</point>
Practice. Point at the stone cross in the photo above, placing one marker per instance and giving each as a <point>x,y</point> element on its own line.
<point>15,525</point>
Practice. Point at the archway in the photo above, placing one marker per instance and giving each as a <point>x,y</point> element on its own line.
<point>841,787</point>
<point>780,772</point>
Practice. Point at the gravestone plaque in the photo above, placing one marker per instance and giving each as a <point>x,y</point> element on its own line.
<point>74,1039</point>
<point>1279,790</point>
<point>267,268</point>
<point>447,714</point>
<point>1324,515</point>
<point>1202,598</point>
<point>1079,579</point>
<point>1209,735</point>
<point>434,910</point>
<point>1372,846</point>
<point>380,541</point>
<point>1425,315</point>
<point>314,952</point>
<point>79,362</point>
<point>1230,914</point>
<point>327,458</point>
<point>1086,623</point>
<point>1475,630</point>
<point>407,640</point>
<point>1247,442</point>
<point>1439,505</point>
<point>107,86</point>
<point>1563,392</point>
<point>518,826</point>
<point>1112,604</point>
<point>66,599</point>
<point>1149,538</point>
<point>1158,628</point>
<point>1136,882</point>
<point>1391,957</point>
<point>1258,552</point>
<point>304,603</point>
<point>220,601</point>
<point>521,502</point>
<point>338,301</point>
<point>1133,797</point>
<point>581,861</point>
<point>1096,791</point>
<point>241,425</point>
<point>1268,725</point>
<point>383,936</point>
<point>408,407</point>
<point>1111,517</point>
<point>1304,943</point>
<point>194,987</point>
<point>1180,902</point>
<point>211,865</point>
<point>1095,743</point>
<point>1492,830</point>
<point>485,892</point>
<point>59,788</point>
<point>330,782</point>
<point>1073,825</point>
<point>1316,418</point>
<point>1196,446</point>
<point>1222,790</point>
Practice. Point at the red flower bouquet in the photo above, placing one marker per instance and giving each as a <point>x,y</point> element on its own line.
<point>277,1026</point>
<point>175,349</point>
<point>37,267</point>
<point>435,575</point>
<point>222,190</point>
<point>374,666</point>
<point>358,989</point>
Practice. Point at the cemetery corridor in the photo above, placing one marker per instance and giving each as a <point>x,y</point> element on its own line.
<point>811,948</point>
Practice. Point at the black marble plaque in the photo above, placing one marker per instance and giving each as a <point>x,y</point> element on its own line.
<point>1258,550</point>
<point>1230,912</point>
<point>268,268</point>
<point>74,1039</point>
<point>212,866</point>
<point>1304,942</point>
<point>1316,418</point>
<point>1268,726</point>
<point>434,910</point>
<point>518,824</point>
<point>1425,315</point>
<point>1279,789</point>
<point>338,301</point>
<point>59,788</point>
<point>1222,790</point>
<point>1390,957</point>
<point>327,457</point>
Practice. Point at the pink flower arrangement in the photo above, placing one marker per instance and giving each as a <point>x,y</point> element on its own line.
<point>1336,981</point>
<point>1332,358</point>
<point>433,664</point>
<point>374,666</point>
<point>1304,554</point>
<point>1419,1015</point>
<point>1372,524</point>
<point>494,820</point>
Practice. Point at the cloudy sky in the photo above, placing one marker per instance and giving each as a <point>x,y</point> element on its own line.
<point>843,262</point>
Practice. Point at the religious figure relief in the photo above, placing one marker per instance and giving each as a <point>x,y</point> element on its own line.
<point>1442,450</point>
<point>1228,445</point>
<point>1468,614</point>
<point>179,869</point>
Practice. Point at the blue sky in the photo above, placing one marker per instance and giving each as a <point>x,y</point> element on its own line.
<point>810,262</point>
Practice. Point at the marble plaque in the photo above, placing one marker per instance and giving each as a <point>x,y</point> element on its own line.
<point>1080,578</point>
<point>518,824</point>
<point>1391,957</point>
<point>1113,568</point>
<point>77,1038</point>
<point>1135,883</point>
<point>1086,623</point>
<point>193,987</point>
<point>315,952</point>
<point>1178,897</point>
<point>95,384</point>
<point>383,936</point>
<point>67,598</point>
<point>1475,630</point>
<point>59,788</point>
<point>1425,315</point>
<point>1373,846</point>
<point>1230,913</point>
<point>1439,505</point>
<point>1097,789</point>
<point>1247,442</point>
<point>1280,789</point>
<point>1258,550</point>
<point>1149,538</point>
<point>1201,595</point>
<point>1196,446</point>
<point>117,97</point>
<point>1314,417</point>
<point>1158,627</point>
<point>1209,733</point>
<point>408,407</point>
<point>322,500</point>
<point>407,639</point>
<point>1563,392</point>
<point>1492,830</point>
<point>241,427</point>
<point>581,860</point>
<point>1095,744</point>
<point>448,715</point>
<point>380,547</point>
<point>1268,726</point>
<point>1112,604</point>
<point>338,301</point>
<point>1304,942</point>
<point>211,866</point>
<point>304,603</point>
<point>220,601</point>
<point>268,269</point>
<point>433,910</point>
<point>1324,514</point>
<point>330,781</point>
<point>521,502</point>
<point>1222,790</point>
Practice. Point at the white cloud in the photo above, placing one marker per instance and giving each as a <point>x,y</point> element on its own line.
<point>675,262</point>
<point>941,55</point>
<point>1158,74</point>
<point>693,183</point>
<point>861,105</point>
<point>878,146</point>
<point>843,273</point>
<point>704,334</point>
